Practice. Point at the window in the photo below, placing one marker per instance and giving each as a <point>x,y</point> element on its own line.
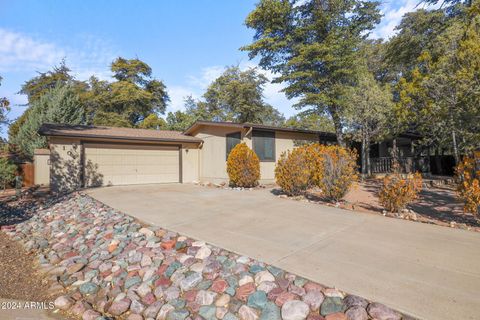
<point>232,140</point>
<point>264,145</point>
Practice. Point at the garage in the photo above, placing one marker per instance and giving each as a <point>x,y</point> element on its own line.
<point>93,156</point>
<point>124,164</point>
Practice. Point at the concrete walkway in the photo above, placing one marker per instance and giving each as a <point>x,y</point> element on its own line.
<point>427,271</point>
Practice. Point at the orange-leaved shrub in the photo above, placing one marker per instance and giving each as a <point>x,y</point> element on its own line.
<point>468,189</point>
<point>292,172</point>
<point>398,191</point>
<point>334,169</point>
<point>243,166</point>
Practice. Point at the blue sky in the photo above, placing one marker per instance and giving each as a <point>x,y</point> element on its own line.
<point>187,43</point>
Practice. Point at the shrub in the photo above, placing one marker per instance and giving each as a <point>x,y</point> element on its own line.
<point>243,166</point>
<point>468,189</point>
<point>7,172</point>
<point>397,192</point>
<point>292,172</point>
<point>334,169</point>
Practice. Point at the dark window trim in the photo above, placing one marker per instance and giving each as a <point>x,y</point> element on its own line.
<point>237,133</point>
<point>273,135</point>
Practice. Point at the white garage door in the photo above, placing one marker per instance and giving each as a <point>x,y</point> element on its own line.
<point>109,164</point>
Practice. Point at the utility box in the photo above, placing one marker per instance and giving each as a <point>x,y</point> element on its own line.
<point>41,160</point>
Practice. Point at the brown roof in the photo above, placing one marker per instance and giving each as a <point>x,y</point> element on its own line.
<point>80,131</point>
<point>256,126</point>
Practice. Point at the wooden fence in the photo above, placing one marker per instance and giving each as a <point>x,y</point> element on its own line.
<point>28,174</point>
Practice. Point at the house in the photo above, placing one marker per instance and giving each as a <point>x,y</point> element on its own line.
<point>88,156</point>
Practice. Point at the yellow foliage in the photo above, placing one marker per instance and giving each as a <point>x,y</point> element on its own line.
<point>397,192</point>
<point>243,166</point>
<point>333,169</point>
<point>468,189</point>
<point>292,172</point>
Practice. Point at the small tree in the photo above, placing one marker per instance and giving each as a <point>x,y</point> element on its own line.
<point>468,190</point>
<point>293,172</point>
<point>7,172</point>
<point>243,166</point>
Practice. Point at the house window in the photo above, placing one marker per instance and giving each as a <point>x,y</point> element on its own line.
<point>264,145</point>
<point>232,140</point>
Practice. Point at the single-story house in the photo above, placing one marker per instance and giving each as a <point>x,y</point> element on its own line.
<point>88,156</point>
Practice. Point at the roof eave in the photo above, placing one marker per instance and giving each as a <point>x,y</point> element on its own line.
<point>82,136</point>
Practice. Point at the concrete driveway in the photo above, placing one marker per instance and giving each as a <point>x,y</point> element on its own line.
<point>427,271</point>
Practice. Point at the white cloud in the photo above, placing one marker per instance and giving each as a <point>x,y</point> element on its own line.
<point>21,52</point>
<point>177,96</point>
<point>393,12</point>
<point>207,75</point>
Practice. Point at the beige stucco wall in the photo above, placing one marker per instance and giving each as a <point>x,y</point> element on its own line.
<point>190,163</point>
<point>212,155</point>
<point>65,169</point>
<point>213,152</point>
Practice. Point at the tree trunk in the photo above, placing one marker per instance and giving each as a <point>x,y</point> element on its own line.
<point>455,149</point>
<point>338,128</point>
<point>369,167</point>
<point>363,155</point>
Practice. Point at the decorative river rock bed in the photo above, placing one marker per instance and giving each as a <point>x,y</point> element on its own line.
<point>107,265</point>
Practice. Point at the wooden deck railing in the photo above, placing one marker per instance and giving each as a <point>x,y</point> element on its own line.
<point>407,164</point>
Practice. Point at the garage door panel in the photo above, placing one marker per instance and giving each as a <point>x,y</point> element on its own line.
<point>128,164</point>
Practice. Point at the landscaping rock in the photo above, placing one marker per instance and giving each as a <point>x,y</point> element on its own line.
<point>88,288</point>
<point>295,310</point>
<point>63,302</point>
<point>382,312</point>
<point>112,265</point>
<point>247,313</point>
<point>356,313</point>
<point>119,307</point>
<point>313,299</point>
<point>336,316</point>
<point>263,276</point>
<point>205,297</point>
<point>258,299</point>
<point>355,301</point>
<point>191,281</point>
<point>207,312</point>
<point>270,312</point>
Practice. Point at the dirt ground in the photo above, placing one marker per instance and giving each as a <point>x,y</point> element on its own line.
<point>437,205</point>
<point>18,278</point>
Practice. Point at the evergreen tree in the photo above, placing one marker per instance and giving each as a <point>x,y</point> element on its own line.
<point>60,104</point>
<point>4,108</point>
<point>313,47</point>
<point>237,96</point>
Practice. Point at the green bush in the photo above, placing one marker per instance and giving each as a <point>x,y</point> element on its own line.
<point>7,172</point>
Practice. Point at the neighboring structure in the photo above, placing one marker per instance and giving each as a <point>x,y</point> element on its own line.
<point>409,157</point>
<point>86,156</point>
